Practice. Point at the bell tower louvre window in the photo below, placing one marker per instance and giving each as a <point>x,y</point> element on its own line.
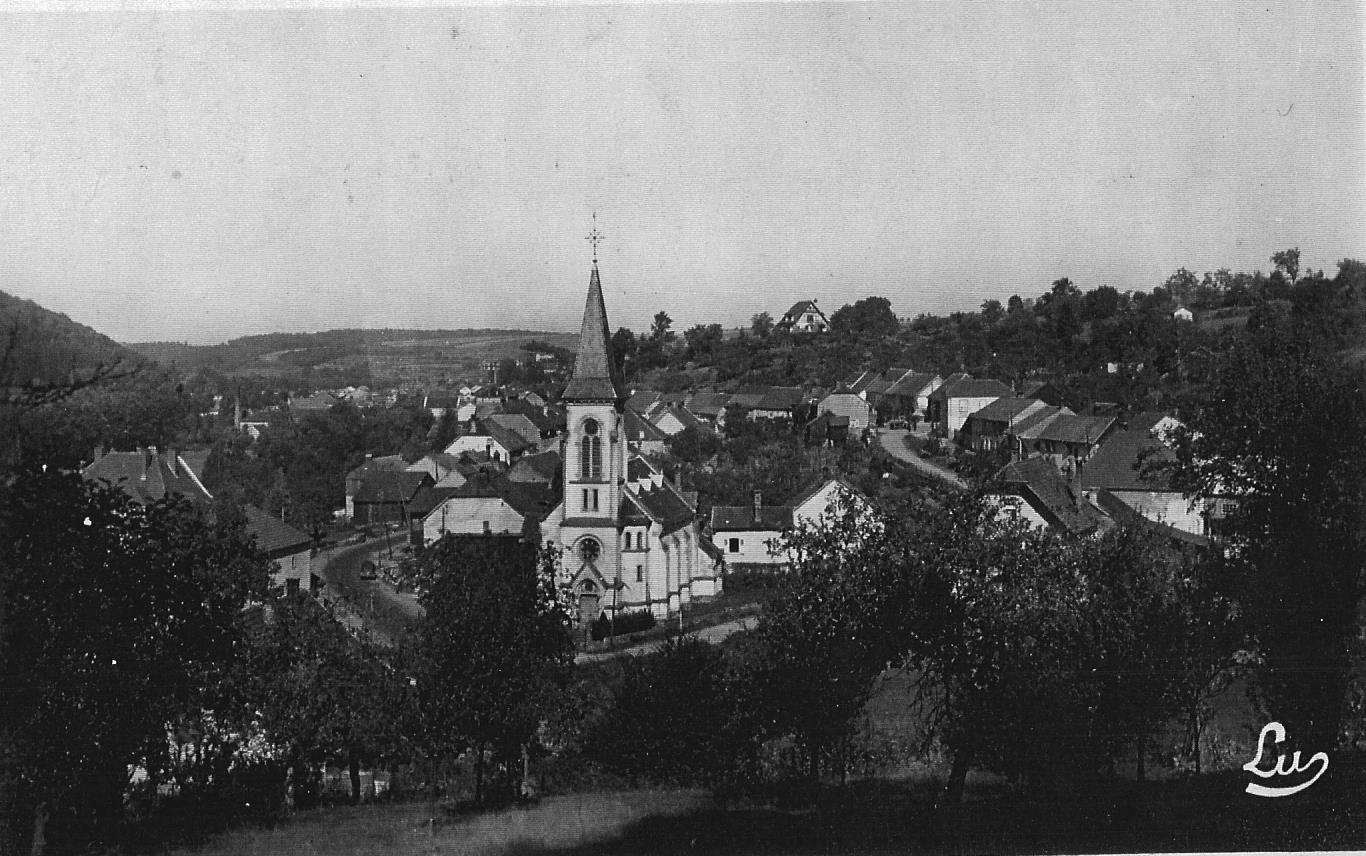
<point>590,452</point>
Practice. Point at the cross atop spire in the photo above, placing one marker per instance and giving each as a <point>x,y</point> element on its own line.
<point>595,237</point>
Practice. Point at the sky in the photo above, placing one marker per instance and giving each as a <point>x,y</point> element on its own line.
<point>191,175</point>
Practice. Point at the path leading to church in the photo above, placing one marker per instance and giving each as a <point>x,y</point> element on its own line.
<point>894,441</point>
<point>374,601</point>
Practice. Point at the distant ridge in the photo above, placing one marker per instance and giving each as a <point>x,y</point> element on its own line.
<point>44,354</point>
<point>392,353</point>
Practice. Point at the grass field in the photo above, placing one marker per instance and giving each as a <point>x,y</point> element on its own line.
<point>555,823</point>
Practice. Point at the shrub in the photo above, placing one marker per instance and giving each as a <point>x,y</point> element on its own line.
<point>634,621</point>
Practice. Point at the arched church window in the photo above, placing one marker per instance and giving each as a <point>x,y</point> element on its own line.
<point>590,452</point>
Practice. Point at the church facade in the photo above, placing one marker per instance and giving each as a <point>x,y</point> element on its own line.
<point>628,537</point>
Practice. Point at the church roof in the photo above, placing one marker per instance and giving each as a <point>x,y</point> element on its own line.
<point>595,376</point>
<point>662,505</point>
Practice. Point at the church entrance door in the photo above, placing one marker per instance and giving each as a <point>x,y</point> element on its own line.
<point>588,609</point>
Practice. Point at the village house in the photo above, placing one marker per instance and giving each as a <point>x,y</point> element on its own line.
<point>753,534</point>
<point>387,497</point>
<point>804,317</point>
<point>674,419</point>
<point>1068,440</point>
<point>383,464</point>
<point>908,393</point>
<point>148,475</point>
<point>773,402</point>
<point>504,437</point>
<point>828,429</point>
<point>855,410</point>
<point>542,468</point>
<point>1035,492</point>
<point>445,470</point>
<point>710,407</point>
<point>641,434</point>
<point>959,397</point>
<point>488,503</point>
<point>1127,475</point>
<point>986,430</point>
<point>290,550</point>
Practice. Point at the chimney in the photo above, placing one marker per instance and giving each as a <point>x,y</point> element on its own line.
<point>758,504</point>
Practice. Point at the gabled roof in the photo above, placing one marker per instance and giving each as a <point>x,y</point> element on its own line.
<point>1121,511</point>
<point>708,404</point>
<point>274,537</point>
<point>817,485</point>
<point>1118,463</point>
<point>401,486</point>
<point>541,467</point>
<point>1070,428</point>
<point>643,399</point>
<point>780,398</point>
<point>526,498</point>
<point>683,415</point>
<point>639,429</point>
<point>518,424</point>
<point>1008,410</point>
<point>1039,483</point>
<point>741,518</point>
<point>147,476</point>
<point>860,381</point>
<point>800,307</point>
<point>876,386</point>
<point>748,397</point>
<point>663,505</point>
<point>595,376</point>
<point>384,464</point>
<point>508,438</point>
<point>911,384</point>
<point>962,386</point>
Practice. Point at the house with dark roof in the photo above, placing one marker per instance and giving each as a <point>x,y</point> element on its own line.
<point>1065,439</point>
<point>387,497</point>
<point>148,474</point>
<point>290,550</point>
<point>778,403</point>
<point>828,429</point>
<point>753,534</point>
<point>908,392</point>
<point>987,429</point>
<point>674,419</point>
<point>710,407</point>
<point>488,503</point>
<point>1130,470</point>
<point>503,437</point>
<point>804,317</point>
<point>959,397</point>
<point>445,470</point>
<point>857,415</point>
<point>1034,491</point>
<point>641,434</point>
<point>542,468</point>
<point>383,464</point>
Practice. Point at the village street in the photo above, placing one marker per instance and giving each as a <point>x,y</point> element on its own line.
<point>894,441</point>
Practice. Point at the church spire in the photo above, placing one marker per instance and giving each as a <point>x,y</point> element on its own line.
<point>595,376</point>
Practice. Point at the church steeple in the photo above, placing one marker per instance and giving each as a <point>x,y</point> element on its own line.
<point>595,376</point>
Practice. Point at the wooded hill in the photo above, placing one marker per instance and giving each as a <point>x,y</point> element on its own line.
<point>43,352</point>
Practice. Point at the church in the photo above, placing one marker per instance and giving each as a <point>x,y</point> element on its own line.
<point>628,537</point>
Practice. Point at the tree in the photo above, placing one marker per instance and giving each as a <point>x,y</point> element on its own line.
<point>703,340</point>
<point>761,324</point>
<point>1277,441</point>
<point>496,648</point>
<point>670,717</point>
<point>1287,262</point>
<point>115,620</point>
<point>871,316</point>
<point>659,330</point>
<point>624,347</point>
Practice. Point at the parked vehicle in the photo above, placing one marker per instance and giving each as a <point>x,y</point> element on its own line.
<point>898,423</point>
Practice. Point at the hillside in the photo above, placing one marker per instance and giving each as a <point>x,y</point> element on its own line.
<point>44,352</point>
<point>383,355</point>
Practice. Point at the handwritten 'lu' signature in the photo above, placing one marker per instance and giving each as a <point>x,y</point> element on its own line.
<point>1284,766</point>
